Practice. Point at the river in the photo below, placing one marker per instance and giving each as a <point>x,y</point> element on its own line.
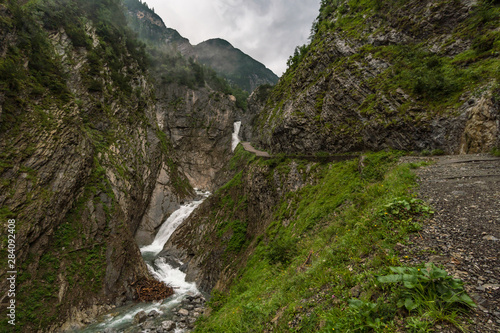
<point>122,319</point>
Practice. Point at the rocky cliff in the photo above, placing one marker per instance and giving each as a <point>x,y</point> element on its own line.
<point>195,107</point>
<point>200,124</point>
<point>408,75</point>
<point>83,158</point>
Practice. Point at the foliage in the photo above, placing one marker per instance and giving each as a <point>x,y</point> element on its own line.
<point>282,251</point>
<point>367,316</point>
<point>298,55</point>
<point>426,287</point>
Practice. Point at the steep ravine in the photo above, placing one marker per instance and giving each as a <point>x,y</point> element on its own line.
<point>83,172</point>
<point>215,241</point>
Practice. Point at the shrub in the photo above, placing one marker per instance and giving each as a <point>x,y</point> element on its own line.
<point>281,251</point>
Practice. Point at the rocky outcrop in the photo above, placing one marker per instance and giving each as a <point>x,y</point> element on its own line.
<point>199,124</point>
<point>256,103</point>
<point>391,77</point>
<point>482,129</point>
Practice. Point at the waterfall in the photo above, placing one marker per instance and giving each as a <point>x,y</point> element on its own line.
<point>169,226</point>
<point>122,318</point>
<point>236,139</point>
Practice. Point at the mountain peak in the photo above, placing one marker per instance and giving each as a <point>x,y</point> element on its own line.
<point>217,42</point>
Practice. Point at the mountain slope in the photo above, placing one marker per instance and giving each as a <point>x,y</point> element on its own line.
<point>237,67</point>
<point>412,75</point>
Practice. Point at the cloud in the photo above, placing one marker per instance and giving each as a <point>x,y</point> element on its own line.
<point>267,30</point>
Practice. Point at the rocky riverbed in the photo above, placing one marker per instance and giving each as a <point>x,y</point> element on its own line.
<point>179,319</point>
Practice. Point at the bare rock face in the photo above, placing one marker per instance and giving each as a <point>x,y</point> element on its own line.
<point>164,201</point>
<point>256,103</point>
<point>199,124</point>
<point>482,129</point>
<point>78,174</point>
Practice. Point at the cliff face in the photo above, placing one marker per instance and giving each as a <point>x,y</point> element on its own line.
<point>200,124</point>
<point>81,156</point>
<point>406,75</point>
<point>194,107</point>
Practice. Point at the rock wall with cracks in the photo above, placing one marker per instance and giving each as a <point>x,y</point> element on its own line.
<point>404,75</point>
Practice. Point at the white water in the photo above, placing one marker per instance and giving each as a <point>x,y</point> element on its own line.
<point>173,221</point>
<point>236,138</point>
<point>122,318</point>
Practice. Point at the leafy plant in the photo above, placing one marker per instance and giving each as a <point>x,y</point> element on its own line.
<point>426,287</point>
<point>405,212</point>
<point>368,315</point>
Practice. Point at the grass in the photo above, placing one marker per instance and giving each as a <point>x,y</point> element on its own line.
<point>339,237</point>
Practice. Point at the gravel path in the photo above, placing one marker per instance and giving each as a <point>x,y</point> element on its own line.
<point>248,147</point>
<point>464,234</point>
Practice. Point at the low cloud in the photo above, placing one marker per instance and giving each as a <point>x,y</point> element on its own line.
<point>267,30</point>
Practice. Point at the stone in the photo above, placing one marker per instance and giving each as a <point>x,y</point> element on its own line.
<point>154,313</point>
<point>491,286</point>
<point>490,238</point>
<point>140,317</point>
<point>355,291</point>
<point>148,325</point>
<point>168,325</point>
<point>183,312</point>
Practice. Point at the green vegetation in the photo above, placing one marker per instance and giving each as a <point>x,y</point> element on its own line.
<point>235,66</point>
<point>240,158</point>
<point>331,241</point>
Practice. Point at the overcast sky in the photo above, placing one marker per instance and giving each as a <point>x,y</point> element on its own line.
<point>267,30</point>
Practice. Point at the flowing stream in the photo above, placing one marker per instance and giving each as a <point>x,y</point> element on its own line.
<point>236,138</point>
<point>122,318</point>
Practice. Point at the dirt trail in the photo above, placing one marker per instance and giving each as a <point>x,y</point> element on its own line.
<point>248,147</point>
<point>464,234</point>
